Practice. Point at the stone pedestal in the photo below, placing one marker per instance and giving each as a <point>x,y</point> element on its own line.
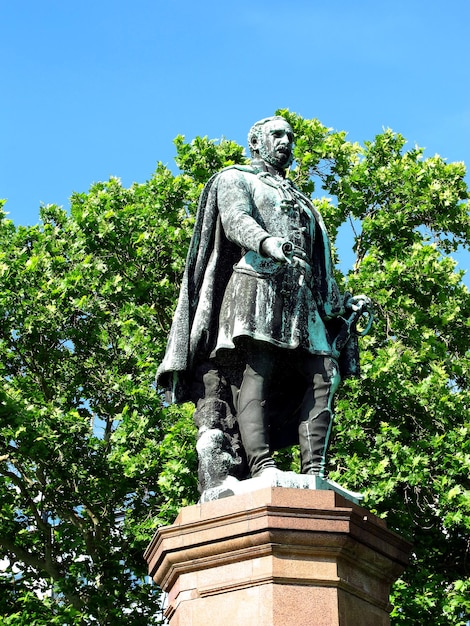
<point>276,557</point>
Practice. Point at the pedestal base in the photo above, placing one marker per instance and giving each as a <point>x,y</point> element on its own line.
<point>276,478</point>
<point>277,557</point>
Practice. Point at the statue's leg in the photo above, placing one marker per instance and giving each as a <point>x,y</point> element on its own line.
<point>218,453</point>
<point>316,416</point>
<point>251,410</point>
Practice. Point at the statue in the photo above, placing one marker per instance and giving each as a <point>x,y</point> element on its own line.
<point>261,335</point>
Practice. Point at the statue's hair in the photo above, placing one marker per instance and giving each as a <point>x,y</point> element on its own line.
<point>256,129</point>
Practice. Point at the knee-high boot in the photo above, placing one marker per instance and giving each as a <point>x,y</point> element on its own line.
<point>254,432</point>
<point>314,435</point>
<point>253,421</point>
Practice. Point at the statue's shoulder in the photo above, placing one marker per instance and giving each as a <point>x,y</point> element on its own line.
<point>228,176</point>
<point>236,177</point>
<point>236,171</point>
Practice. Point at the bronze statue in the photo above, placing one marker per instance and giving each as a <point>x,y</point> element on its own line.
<point>261,335</point>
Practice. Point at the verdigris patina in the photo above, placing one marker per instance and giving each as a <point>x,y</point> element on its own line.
<point>261,335</point>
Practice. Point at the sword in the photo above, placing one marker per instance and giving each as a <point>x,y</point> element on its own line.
<point>294,257</point>
<point>360,308</point>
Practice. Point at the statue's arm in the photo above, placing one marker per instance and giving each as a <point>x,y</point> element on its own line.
<point>236,209</point>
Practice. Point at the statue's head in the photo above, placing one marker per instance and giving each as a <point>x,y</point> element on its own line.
<point>272,140</point>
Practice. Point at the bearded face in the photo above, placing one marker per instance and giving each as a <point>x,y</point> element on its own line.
<point>274,143</point>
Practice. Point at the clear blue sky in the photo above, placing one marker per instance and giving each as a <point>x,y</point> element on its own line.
<point>94,88</point>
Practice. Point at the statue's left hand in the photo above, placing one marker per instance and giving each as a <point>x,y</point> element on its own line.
<point>362,315</point>
<point>357,303</point>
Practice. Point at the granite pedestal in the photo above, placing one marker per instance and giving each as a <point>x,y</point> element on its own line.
<point>276,557</point>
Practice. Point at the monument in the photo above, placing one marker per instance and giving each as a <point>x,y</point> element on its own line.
<point>261,335</point>
<point>260,340</point>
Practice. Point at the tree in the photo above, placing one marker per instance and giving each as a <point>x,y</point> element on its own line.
<point>402,431</point>
<point>91,457</point>
<point>84,303</point>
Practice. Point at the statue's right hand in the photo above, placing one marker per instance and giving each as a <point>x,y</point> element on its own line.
<point>274,247</point>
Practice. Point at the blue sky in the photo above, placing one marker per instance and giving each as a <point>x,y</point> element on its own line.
<point>95,88</point>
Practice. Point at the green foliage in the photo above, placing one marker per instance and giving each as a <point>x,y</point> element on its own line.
<point>203,157</point>
<point>85,302</point>
<point>402,433</point>
<point>91,457</point>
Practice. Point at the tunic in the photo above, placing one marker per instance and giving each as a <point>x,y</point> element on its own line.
<point>264,299</point>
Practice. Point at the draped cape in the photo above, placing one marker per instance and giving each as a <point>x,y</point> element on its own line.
<point>209,265</point>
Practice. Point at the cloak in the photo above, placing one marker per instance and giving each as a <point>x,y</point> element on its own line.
<point>209,265</point>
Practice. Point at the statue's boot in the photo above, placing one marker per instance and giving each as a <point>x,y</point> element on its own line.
<point>314,435</point>
<point>253,423</point>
